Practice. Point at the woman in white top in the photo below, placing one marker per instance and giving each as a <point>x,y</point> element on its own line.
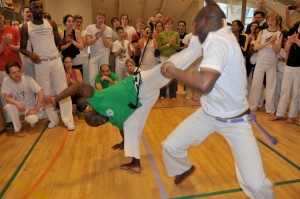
<point>268,44</point>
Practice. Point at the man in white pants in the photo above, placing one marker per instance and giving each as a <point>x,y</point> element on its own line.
<point>98,37</point>
<point>49,69</point>
<point>222,81</point>
<point>120,106</point>
<point>23,96</point>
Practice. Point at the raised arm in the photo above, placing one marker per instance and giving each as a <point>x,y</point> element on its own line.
<point>203,80</point>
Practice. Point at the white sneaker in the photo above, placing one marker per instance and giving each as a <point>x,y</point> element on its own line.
<point>52,124</point>
<point>71,127</point>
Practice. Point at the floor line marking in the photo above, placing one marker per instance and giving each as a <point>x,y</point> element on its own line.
<point>231,190</point>
<point>161,188</point>
<point>279,154</point>
<point>22,163</point>
<point>48,169</point>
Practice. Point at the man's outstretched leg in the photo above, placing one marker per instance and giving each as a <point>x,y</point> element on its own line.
<point>134,166</point>
<point>121,144</point>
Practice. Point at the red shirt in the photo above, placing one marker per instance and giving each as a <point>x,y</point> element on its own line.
<point>9,55</point>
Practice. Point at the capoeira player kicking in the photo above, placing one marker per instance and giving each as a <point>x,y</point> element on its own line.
<point>127,104</point>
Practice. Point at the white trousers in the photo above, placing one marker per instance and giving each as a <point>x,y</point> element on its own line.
<point>290,86</point>
<point>120,70</point>
<point>85,68</point>
<point>152,81</point>
<point>196,128</point>
<point>257,82</point>
<point>28,67</point>
<point>94,66</point>
<point>13,115</point>
<point>50,75</point>
<point>278,88</point>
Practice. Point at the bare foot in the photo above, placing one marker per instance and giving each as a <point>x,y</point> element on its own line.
<point>184,175</point>
<point>275,117</point>
<point>131,166</point>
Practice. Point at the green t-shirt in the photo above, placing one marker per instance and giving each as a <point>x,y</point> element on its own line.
<point>113,101</point>
<point>105,83</point>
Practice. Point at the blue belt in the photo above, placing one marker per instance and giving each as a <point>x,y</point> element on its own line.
<point>244,118</point>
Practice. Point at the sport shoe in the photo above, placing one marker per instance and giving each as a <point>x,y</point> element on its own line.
<point>71,127</point>
<point>52,125</point>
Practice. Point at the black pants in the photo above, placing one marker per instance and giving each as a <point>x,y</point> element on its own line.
<point>172,89</point>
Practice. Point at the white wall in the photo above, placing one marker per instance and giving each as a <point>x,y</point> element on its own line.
<point>58,9</point>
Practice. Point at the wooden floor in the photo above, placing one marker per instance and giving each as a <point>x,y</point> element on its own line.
<point>54,163</point>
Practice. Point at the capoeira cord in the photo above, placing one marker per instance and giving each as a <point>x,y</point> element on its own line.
<point>251,117</point>
<point>272,140</point>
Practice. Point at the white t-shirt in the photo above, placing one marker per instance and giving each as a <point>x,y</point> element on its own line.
<point>187,38</point>
<point>98,48</point>
<point>85,51</point>
<point>267,54</point>
<point>222,52</point>
<point>130,30</point>
<point>124,55</point>
<point>24,91</point>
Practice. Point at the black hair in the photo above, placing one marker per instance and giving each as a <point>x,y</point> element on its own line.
<point>181,21</point>
<point>64,58</point>
<point>11,64</point>
<point>65,18</point>
<point>297,24</point>
<point>248,29</point>
<point>14,20</point>
<point>259,12</point>
<point>113,20</point>
<point>103,65</point>
<point>119,28</point>
<point>240,25</point>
